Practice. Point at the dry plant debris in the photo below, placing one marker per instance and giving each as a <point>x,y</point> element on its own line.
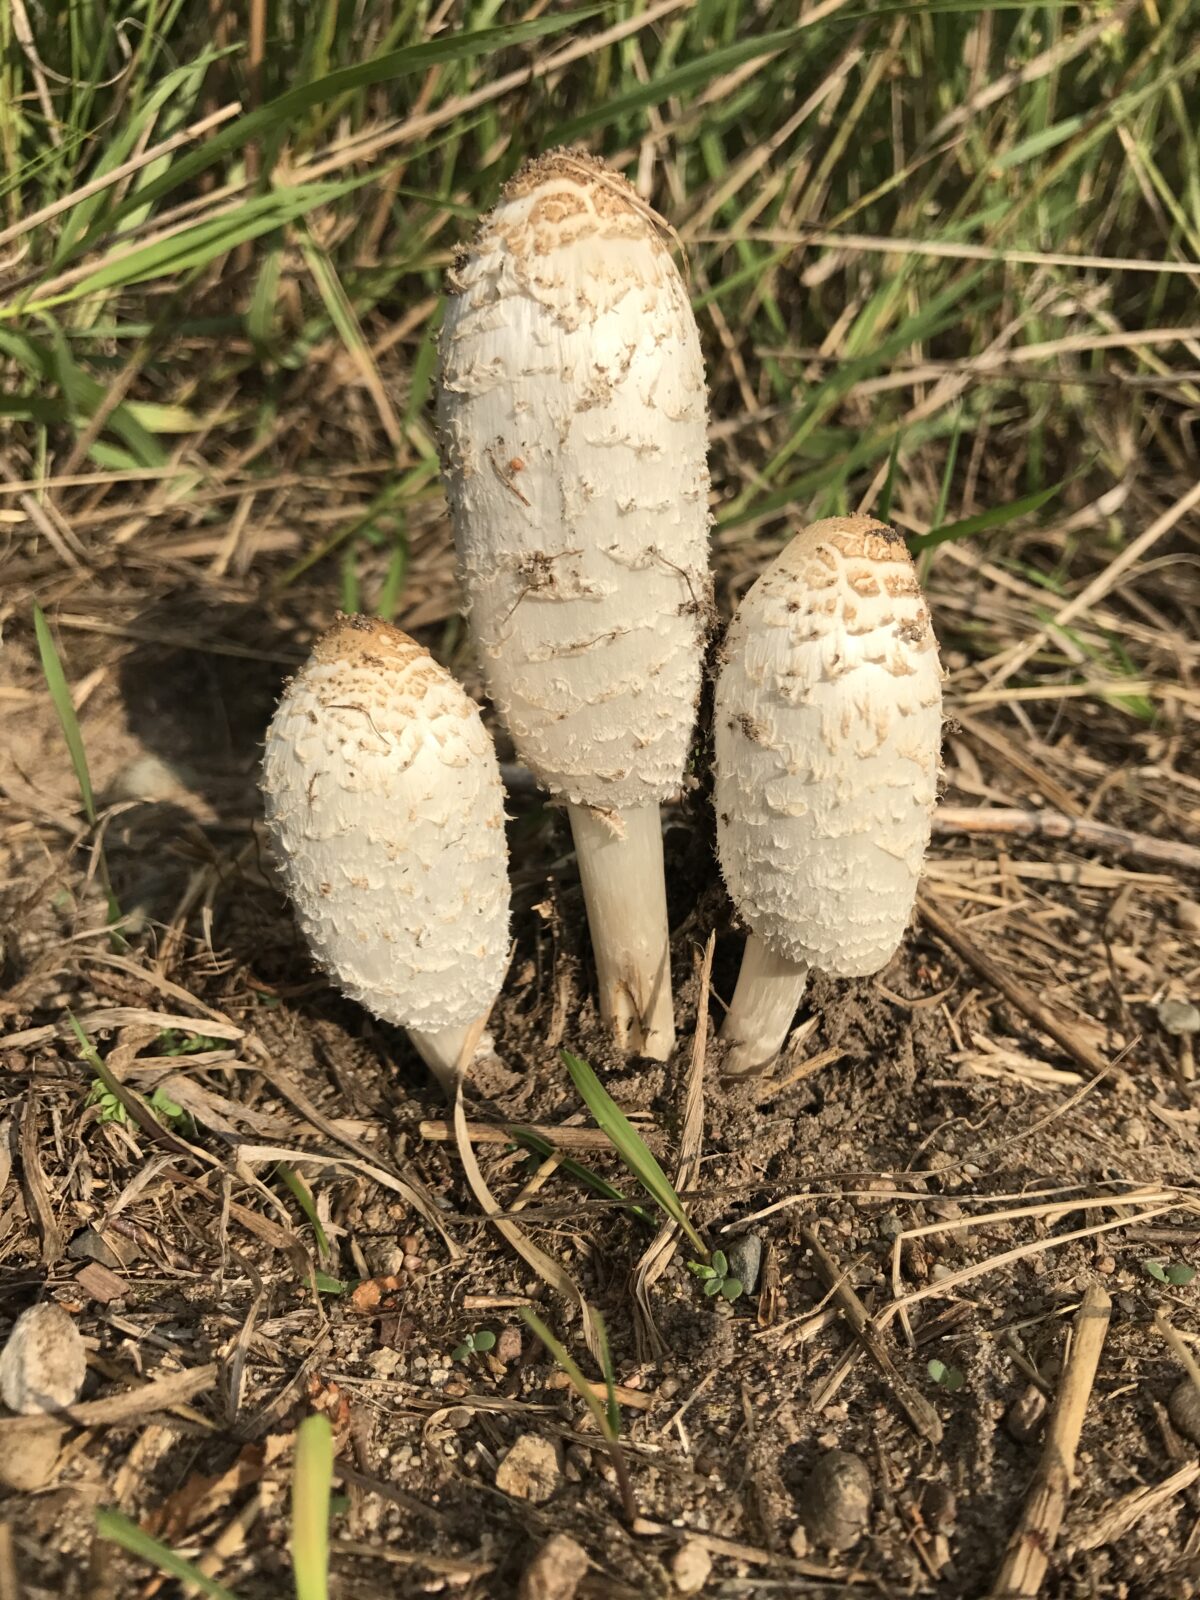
<point>943,268</point>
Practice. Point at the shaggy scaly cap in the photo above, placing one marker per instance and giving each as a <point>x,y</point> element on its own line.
<point>385,809</point>
<point>573,412</point>
<point>828,730</point>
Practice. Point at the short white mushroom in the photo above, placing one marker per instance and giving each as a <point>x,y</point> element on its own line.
<point>573,411</point>
<point>828,724</point>
<point>385,809</point>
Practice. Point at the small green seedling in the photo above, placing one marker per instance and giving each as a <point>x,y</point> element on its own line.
<point>946,1377</point>
<point>1175,1273</point>
<point>111,1109</point>
<point>172,1042</point>
<point>715,1276</point>
<point>475,1344</point>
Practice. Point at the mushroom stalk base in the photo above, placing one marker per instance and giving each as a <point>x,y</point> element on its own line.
<point>767,997</point>
<point>443,1050</point>
<point>624,887</point>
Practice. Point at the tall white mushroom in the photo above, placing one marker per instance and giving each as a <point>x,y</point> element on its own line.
<point>386,811</point>
<point>828,730</point>
<point>573,412</point>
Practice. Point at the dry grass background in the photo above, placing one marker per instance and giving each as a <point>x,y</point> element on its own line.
<point>945,259</point>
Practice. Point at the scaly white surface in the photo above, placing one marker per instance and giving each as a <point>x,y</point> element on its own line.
<point>828,730</point>
<point>385,807</point>
<point>573,412</point>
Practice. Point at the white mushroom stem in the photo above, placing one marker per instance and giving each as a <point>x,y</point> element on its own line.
<point>574,428</point>
<point>621,869</point>
<point>447,1052</point>
<point>768,995</point>
<point>828,717</point>
<point>385,809</point>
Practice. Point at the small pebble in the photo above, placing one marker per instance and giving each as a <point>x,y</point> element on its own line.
<point>1134,1131</point>
<point>690,1567</point>
<point>798,1542</point>
<point>88,1245</point>
<point>744,1254</point>
<point>1187,916</point>
<point>508,1345</point>
<point>1183,1408</point>
<point>837,1501</point>
<point>1024,1416</point>
<point>555,1572</point>
<point>43,1365</point>
<point>939,1507</point>
<point>531,1470</point>
<point>1179,1017</point>
<point>31,1467</point>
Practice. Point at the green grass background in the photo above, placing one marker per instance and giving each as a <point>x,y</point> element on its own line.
<point>944,256</point>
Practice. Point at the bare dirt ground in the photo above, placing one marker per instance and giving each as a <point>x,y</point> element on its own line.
<point>969,1175</point>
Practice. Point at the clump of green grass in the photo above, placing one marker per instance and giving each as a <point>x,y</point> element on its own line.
<point>712,1269</point>
<point>950,281</point>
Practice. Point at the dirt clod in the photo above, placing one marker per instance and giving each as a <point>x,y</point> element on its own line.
<point>1024,1416</point>
<point>532,1469</point>
<point>1183,1408</point>
<point>43,1364</point>
<point>31,1467</point>
<point>690,1567</point>
<point>555,1572</point>
<point>836,1501</point>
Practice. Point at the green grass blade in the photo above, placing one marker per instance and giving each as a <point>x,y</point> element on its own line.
<point>612,1409</point>
<point>60,694</point>
<point>311,1481</point>
<point>630,1146</point>
<point>580,1171</point>
<point>571,1367</point>
<point>287,109</point>
<point>112,1525</point>
<point>884,509</point>
<point>997,517</point>
<point>303,1196</point>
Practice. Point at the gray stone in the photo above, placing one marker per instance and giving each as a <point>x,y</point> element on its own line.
<point>744,1254</point>
<point>836,1506</point>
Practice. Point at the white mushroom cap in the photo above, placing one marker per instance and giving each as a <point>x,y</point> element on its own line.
<point>573,410</point>
<point>385,807</point>
<point>828,730</point>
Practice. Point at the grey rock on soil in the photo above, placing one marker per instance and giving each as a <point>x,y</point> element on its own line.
<point>744,1254</point>
<point>43,1365</point>
<point>532,1470</point>
<point>556,1571</point>
<point>836,1500</point>
<point>1183,1408</point>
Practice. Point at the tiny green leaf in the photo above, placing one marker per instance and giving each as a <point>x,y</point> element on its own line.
<point>1157,1270</point>
<point>731,1288</point>
<point>719,1263</point>
<point>946,1377</point>
<point>485,1339</point>
<point>713,1286</point>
